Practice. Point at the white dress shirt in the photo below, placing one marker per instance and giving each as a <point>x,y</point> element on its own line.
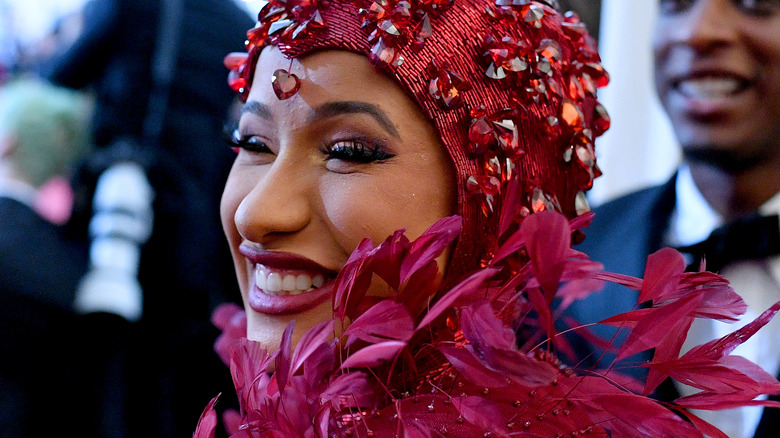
<point>756,281</point>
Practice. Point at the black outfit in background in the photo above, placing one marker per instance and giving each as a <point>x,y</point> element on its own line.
<point>160,372</point>
<point>39,272</point>
<point>624,232</point>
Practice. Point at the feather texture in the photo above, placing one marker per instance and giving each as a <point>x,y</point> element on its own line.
<point>459,369</point>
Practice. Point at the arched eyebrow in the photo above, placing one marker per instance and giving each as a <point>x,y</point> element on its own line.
<point>258,109</point>
<point>333,109</point>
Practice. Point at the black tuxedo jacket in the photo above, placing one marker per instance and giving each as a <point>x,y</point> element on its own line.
<point>624,232</point>
<point>39,271</point>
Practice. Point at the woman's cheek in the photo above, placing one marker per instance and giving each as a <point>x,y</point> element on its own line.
<point>231,199</point>
<point>228,204</point>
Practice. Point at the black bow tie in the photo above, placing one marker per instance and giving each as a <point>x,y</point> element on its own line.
<point>749,238</point>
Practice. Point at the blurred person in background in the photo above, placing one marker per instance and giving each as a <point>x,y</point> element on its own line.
<point>148,200</point>
<point>43,133</point>
<point>717,71</point>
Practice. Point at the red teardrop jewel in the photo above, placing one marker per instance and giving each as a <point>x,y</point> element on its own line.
<point>285,84</point>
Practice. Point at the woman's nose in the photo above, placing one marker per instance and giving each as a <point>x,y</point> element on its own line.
<point>708,24</point>
<point>278,204</point>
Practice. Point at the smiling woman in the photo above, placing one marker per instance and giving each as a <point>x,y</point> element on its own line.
<point>350,156</point>
<point>463,130</point>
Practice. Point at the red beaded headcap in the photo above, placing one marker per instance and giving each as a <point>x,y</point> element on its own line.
<point>509,84</point>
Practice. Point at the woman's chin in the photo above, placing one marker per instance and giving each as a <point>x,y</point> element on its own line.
<point>268,329</point>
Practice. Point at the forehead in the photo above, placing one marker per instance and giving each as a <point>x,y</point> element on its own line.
<point>327,76</point>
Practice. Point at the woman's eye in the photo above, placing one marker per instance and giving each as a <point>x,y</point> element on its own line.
<point>358,151</point>
<point>249,143</point>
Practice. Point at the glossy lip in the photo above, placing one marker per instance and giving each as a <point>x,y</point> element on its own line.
<point>261,302</point>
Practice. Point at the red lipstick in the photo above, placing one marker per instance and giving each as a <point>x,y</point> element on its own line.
<point>272,299</point>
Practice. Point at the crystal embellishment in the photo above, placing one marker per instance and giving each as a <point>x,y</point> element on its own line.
<point>394,24</point>
<point>285,84</point>
<point>447,87</point>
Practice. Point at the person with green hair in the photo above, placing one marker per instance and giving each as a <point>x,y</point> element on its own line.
<point>43,133</point>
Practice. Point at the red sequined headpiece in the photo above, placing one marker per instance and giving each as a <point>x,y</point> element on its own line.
<point>509,84</point>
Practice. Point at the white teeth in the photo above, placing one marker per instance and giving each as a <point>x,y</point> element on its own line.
<point>260,279</point>
<point>273,283</point>
<point>709,88</point>
<point>288,283</point>
<point>303,282</point>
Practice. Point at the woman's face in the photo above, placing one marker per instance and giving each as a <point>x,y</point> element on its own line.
<point>349,156</point>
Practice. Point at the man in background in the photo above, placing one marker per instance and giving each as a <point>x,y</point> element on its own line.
<point>43,133</point>
<point>717,69</point>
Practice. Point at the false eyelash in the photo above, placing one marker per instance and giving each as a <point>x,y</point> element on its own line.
<point>250,143</point>
<point>231,136</point>
<point>358,151</point>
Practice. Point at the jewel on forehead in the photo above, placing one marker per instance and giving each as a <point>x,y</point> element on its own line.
<point>285,84</point>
